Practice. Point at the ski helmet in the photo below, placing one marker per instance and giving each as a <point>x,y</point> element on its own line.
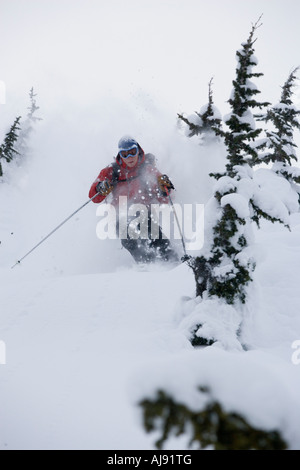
<point>126,143</point>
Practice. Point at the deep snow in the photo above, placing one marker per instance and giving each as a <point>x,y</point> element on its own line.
<point>73,345</point>
<point>88,336</point>
<point>77,318</point>
<point>82,350</point>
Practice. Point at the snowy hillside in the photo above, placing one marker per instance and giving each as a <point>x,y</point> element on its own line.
<point>77,319</point>
<point>74,345</point>
<point>88,336</point>
<point>85,335</point>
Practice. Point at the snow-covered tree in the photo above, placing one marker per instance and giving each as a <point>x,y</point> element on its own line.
<point>8,148</point>
<point>204,122</point>
<point>27,126</point>
<point>284,116</point>
<point>224,269</point>
<point>242,138</point>
<point>211,426</point>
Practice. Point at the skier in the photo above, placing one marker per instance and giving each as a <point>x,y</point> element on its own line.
<point>134,174</point>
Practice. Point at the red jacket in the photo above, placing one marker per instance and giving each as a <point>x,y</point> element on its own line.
<point>139,183</point>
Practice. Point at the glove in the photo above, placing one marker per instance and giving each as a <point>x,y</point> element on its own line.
<point>164,184</point>
<point>104,188</point>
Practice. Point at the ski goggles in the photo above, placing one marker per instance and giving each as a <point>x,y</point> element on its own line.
<point>129,153</point>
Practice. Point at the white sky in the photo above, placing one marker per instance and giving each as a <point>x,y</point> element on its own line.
<point>77,51</point>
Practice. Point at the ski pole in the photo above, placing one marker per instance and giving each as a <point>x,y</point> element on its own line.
<point>186,256</point>
<point>53,231</point>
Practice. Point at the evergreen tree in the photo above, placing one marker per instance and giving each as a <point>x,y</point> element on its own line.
<point>211,426</point>
<point>209,114</point>
<point>281,146</point>
<point>207,120</point>
<point>8,148</point>
<point>242,137</point>
<point>224,269</point>
<point>33,108</point>
<point>28,125</point>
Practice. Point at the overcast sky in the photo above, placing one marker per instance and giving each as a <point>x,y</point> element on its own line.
<point>77,51</point>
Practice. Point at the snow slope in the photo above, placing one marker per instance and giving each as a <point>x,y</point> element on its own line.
<point>82,351</point>
<point>73,344</point>
<point>88,336</point>
<point>256,372</point>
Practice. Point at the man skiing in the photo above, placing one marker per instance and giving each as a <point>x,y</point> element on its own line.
<point>134,175</point>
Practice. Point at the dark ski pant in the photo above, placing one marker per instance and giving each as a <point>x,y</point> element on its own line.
<point>148,250</point>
